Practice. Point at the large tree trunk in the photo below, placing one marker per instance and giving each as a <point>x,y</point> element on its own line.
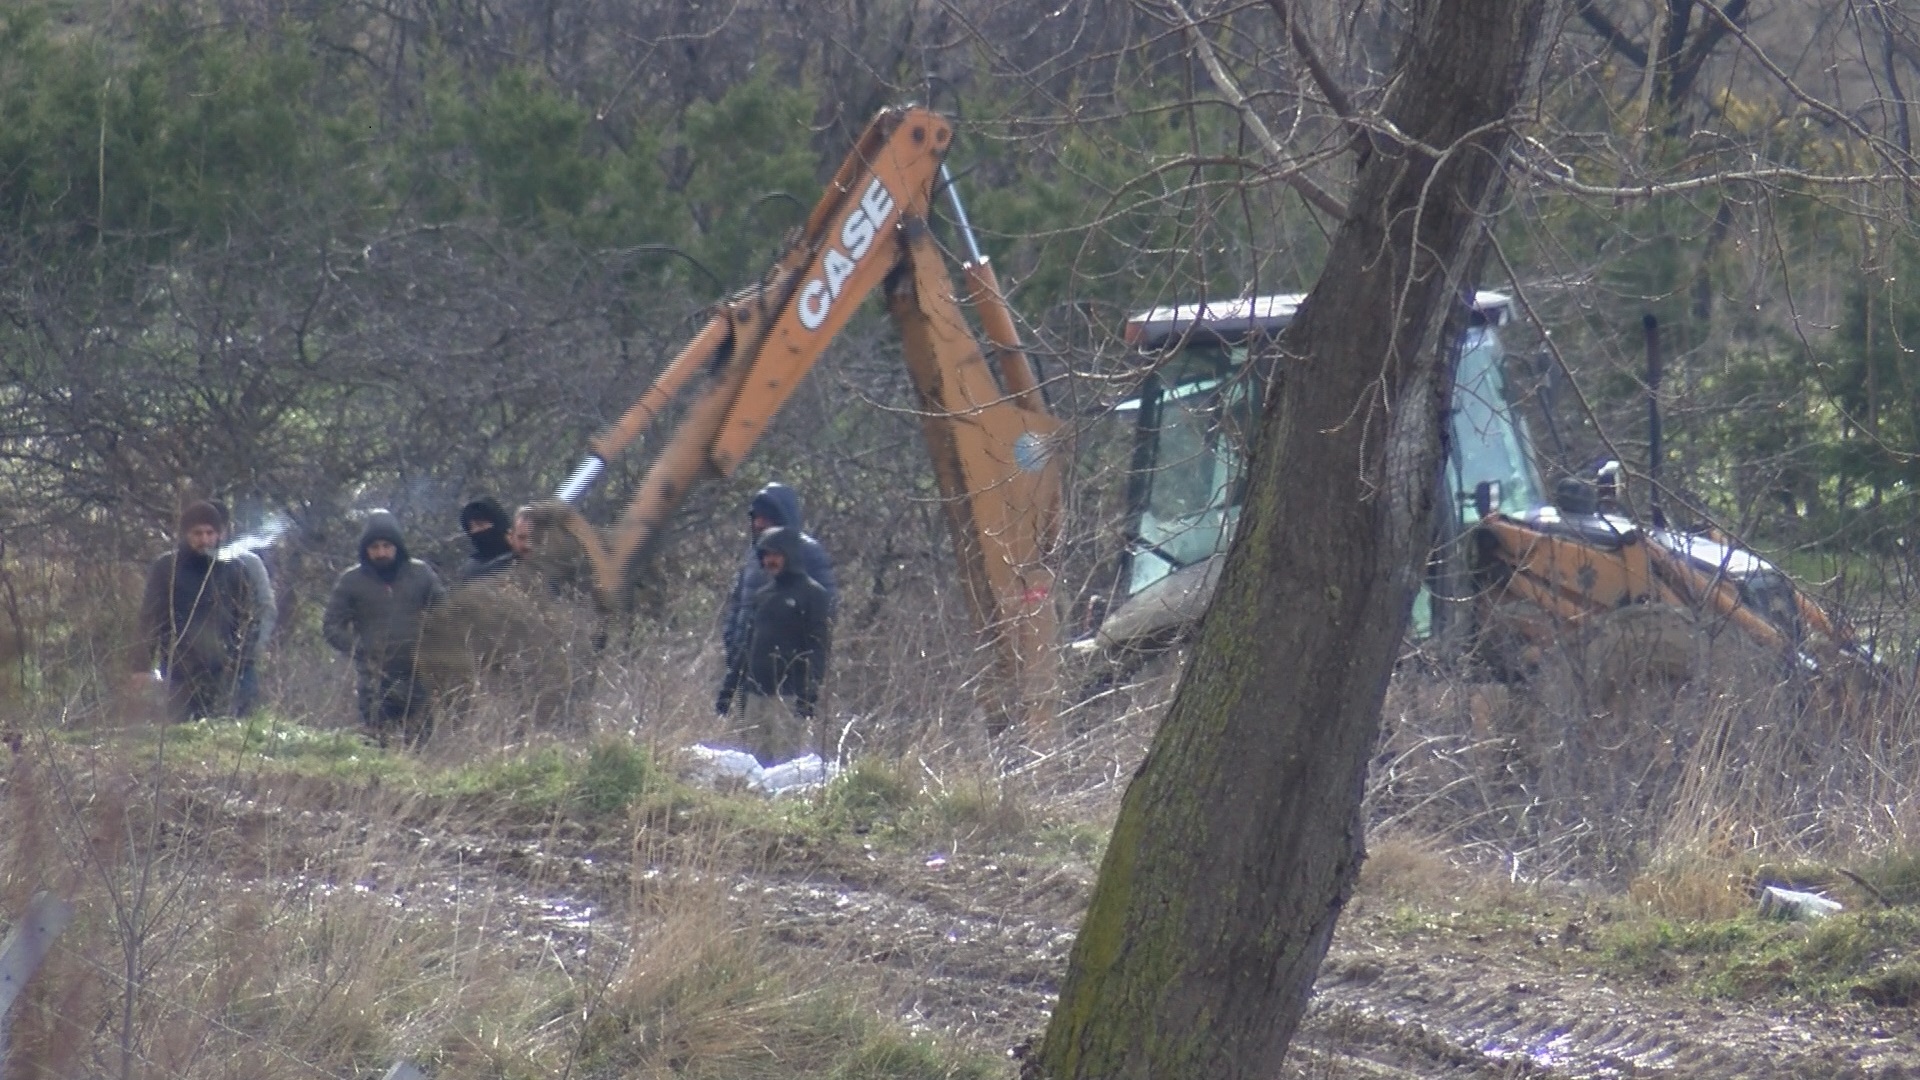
<point>1239,839</point>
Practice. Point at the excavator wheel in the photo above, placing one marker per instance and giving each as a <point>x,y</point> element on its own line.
<point>1512,642</point>
<point>1639,647</point>
<point>1656,647</point>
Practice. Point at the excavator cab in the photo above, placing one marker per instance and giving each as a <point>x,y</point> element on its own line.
<point>1193,421</point>
<point>1193,425</point>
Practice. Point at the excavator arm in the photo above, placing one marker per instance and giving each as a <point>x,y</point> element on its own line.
<point>992,440</point>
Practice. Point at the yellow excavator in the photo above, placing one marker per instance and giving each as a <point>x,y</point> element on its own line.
<point>1644,597</point>
<point>1517,572</point>
<point>1556,567</point>
<point>994,444</point>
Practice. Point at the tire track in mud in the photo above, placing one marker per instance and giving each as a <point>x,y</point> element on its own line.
<point>990,974</point>
<point>974,952</point>
<point>1550,1023</point>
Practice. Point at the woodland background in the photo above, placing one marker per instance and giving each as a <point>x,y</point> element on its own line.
<point>320,256</point>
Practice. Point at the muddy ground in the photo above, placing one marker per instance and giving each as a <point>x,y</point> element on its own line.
<point>971,947</point>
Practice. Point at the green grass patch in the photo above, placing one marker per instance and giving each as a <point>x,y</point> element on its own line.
<point>603,780</point>
<point>1864,955</point>
<point>872,796</point>
<point>1474,919</point>
<point>265,741</point>
<point>1072,839</point>
<point>890,800</point>
<point>888,1055</point>
<point>1895,877</point>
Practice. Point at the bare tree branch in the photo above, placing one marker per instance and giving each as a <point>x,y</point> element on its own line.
<point>1315,195</point>
<point>1562,178</point>
<point>1336,97</point>
<point>1615,37</point>
<point>1902,161</point>
<point>1902,125</point>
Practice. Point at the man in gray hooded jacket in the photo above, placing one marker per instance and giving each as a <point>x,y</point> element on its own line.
<point>374,617</point>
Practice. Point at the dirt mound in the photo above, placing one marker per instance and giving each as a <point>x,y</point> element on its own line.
<point>514,641</point>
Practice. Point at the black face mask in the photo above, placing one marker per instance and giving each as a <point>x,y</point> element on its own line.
<point>490,542</point>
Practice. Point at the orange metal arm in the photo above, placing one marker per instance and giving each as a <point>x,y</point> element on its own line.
<point>853,244</point>
<point>698,353</point>
<point>997,321</point>
<point>1000,473</point>
<point>993,446</point>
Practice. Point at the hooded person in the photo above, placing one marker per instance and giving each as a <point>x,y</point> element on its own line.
<point>374,616</point>
<point>486,526</point>
<point>195,618</point>
<point>773,506</point>
<point>784,654</point>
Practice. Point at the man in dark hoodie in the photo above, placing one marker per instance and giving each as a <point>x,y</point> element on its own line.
<point>784,656</point>
<point>774,506</point>
<point>485,524</point>
<point>374,617</point>
<point>195,618</point>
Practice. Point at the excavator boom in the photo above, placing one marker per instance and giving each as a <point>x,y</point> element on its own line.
<point>992,439</point>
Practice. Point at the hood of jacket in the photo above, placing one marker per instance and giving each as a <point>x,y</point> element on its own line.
<point>382,525</point>
<point>779,504</point>
<point>788,543</point>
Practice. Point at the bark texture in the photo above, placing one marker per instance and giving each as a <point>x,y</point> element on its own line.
<point>1239,840</point>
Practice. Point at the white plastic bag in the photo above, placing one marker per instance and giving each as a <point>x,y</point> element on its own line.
<point>804,771</point>
<point>712,764</point>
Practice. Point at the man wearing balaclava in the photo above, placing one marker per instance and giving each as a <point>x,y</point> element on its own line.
<point>486,525</point>
<point>374,617</point>
<point>195,618</point>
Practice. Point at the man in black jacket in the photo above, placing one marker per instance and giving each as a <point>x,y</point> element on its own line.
<point>785,655</point>
<point>485,524</point>
<point>775,506</point>
<point>195,619</point>
<point>374,617</point>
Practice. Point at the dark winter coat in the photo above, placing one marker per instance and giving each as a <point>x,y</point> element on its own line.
<point>195,615</point>
<point>779,504</point>
<point>491,552</point>
<point>789,633</point>
<point>374,615</point>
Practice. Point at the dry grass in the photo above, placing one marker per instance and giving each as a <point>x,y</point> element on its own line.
<point>276,900</point>
<point>1693,888</point>
<point>1403,867</point>
<point>219,935</point>
<point>1556,779</point>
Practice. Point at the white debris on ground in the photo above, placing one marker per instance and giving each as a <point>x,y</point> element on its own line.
<point>1779,903</point>
<point>712,764</point>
